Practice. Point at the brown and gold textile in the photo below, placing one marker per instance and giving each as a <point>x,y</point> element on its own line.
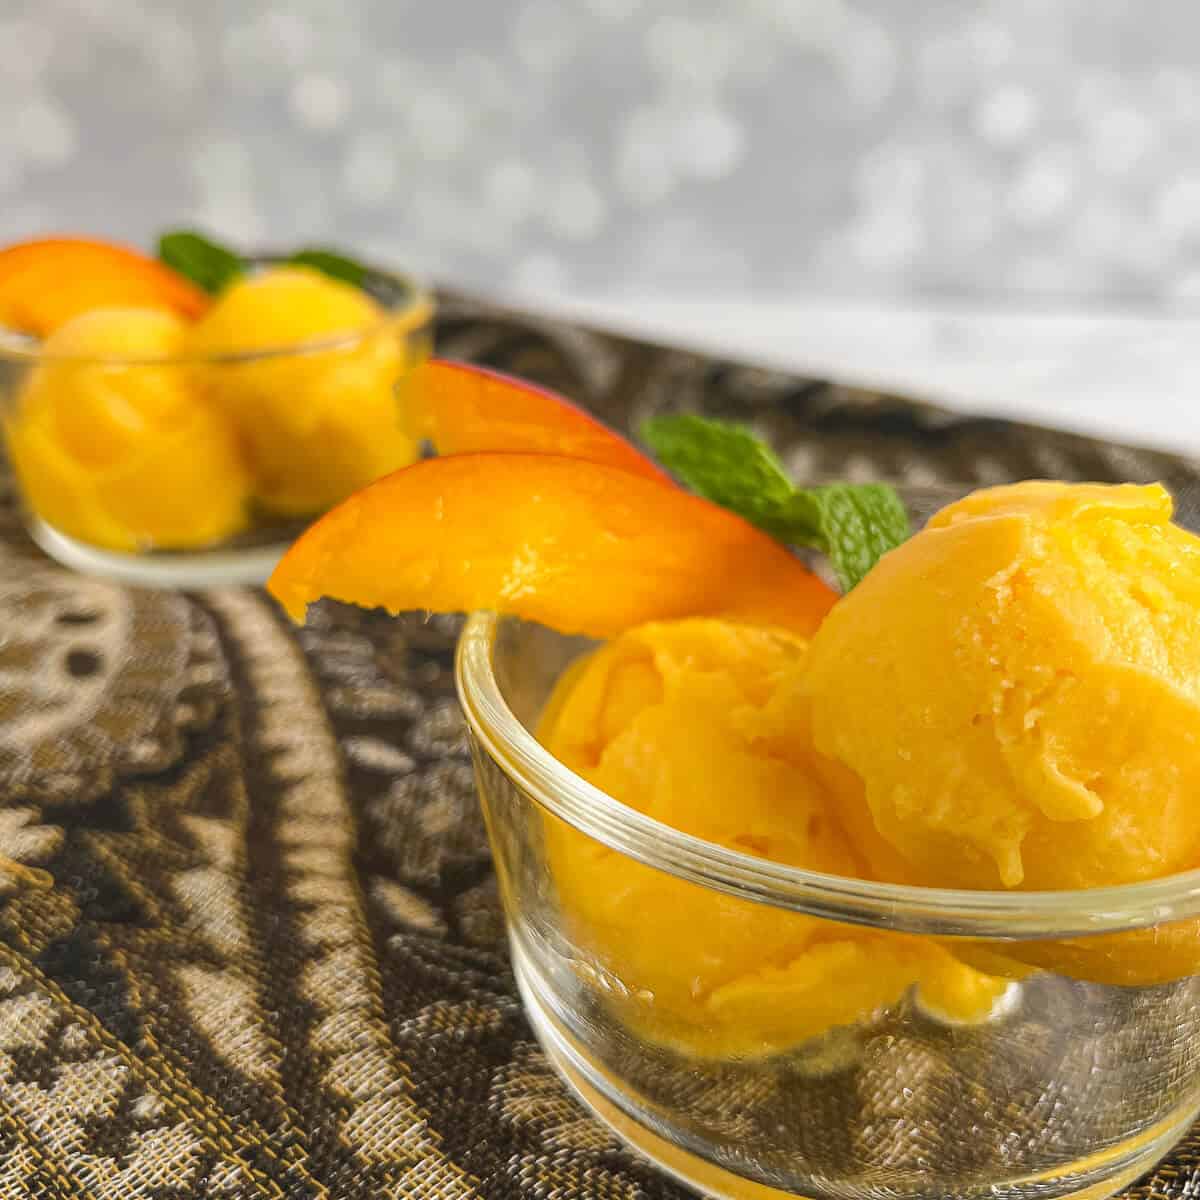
<point>250,944</point>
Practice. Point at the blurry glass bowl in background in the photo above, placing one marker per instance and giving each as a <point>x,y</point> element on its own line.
<point>199,468</point>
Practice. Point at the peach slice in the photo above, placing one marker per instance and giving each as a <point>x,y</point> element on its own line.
<point>46,282</point>
<point>465,409</point>
<point>582,547</point>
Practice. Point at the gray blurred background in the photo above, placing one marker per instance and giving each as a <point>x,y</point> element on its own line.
<point>1024,151</point>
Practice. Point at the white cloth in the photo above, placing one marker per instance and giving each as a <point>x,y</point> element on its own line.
<point>1129,378</point>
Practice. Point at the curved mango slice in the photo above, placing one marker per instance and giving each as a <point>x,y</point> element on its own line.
<point>46,282</point>
<point>579,546</point>
<point>465,409</point>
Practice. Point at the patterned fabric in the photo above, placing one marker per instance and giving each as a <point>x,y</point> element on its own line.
<point>250,944</point>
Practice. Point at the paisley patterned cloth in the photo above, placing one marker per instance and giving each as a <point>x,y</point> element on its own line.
<point>250,944</point>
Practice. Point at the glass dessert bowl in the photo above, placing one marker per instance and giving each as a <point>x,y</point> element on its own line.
<point>874,894</point>
<point>1044,1082</point>
<point>161,453</point>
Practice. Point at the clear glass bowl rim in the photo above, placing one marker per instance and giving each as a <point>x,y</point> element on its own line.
<point>944,912</point>
<point>412,310</point>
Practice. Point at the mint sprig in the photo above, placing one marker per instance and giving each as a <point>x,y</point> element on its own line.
<point>724,463</point>
<point>213,266</point>
<point>853,524</point>
<point>206,263</point>
<point>331,263</point>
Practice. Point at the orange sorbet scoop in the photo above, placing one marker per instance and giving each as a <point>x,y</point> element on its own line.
<point>46,282</point>
<point>465,409</point>
<point>582,547</point>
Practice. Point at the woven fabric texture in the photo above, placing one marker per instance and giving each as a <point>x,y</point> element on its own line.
<point>250,943</point>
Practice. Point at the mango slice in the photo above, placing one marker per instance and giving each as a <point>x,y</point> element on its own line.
<point>466,409</point>
<point>579,546</point>
<point>49,281</point>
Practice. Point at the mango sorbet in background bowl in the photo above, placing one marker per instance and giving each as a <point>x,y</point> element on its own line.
<point>324,420</point>
<point>162,433</point>
<point>125,456</point>
<point>886,894</point>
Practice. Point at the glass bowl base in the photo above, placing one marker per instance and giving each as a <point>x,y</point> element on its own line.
<point>1093,1178</point>
<point>190,570</point>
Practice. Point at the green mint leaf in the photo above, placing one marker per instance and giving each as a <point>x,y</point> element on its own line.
<point>206,263</point>
<point>802,522</point>
<point>852,524</point>
<point>212,266</point>
<point>329,262</point>
<point>724,463</point>
<point>857,524</point>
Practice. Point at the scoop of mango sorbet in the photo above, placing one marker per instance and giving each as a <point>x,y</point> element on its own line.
<point>1012,698</point>
<point>323,421</point>
<point>668,719</point>
<point>118,445</point>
